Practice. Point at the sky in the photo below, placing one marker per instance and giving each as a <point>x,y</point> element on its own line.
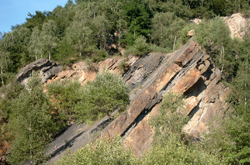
<point>14,12</point>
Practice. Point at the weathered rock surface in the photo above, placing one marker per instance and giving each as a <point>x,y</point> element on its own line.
<point>237,25</point>
<point>47,70</point>
<point>84,73</point>
<point>188,70</point>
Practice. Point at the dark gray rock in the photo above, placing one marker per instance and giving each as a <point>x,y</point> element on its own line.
<point>47,70</point>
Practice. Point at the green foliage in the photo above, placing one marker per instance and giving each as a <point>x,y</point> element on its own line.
<point>37,19</point>
<point>140,47</point>
<point>155,48</point>
<point>168,149</point>
<point>65,96</point>
<point>49,36</point>
<point>31,124</point>
<point>171,120</point>
<point>176,152</point>
<point>106,152</point>
<point>101,97</point>
<point>138,17</point>
<point>166,29</point>
<point>35,43</point>
<point>214,37</point>
<point>8,93</point>
<point>232,136</point>
<point>230,140</point>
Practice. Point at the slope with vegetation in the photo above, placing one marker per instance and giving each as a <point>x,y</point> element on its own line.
<point>93,30</point>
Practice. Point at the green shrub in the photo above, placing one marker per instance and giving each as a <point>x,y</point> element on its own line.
<point>175,152</point>
<point>123,66</point>
<point>171,120</point>
<point>105,152</point>
<point>157,49</point>
<point>101,97</point>
<point>169,142</point>
<point>31,124</point>
<point>65,96</point>
<point>139,48</point>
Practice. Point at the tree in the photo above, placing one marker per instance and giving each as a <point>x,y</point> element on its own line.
<point>63,17</point>
<point>35,45</point>
<point>100,28</point>
<point>5,62</point>
<point>101,97</point>
<point>166,29</point>
<point>65,96</point>
<point>31,123</point>
<point>37,19</point>
<point>79,36</point>
<point>138,17</point>
<point>49,36</point>
<point>69,3</point>
<point>16,43</point>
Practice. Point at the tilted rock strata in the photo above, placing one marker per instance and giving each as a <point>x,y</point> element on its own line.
<point>189,71</point>
<point>84,73</point>
<point>47,70</point>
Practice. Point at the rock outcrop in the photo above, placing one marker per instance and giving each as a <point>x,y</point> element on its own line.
<point>237,25</point>
<point>188,70</point>
<point>47,70</point>
<point>84,72</point>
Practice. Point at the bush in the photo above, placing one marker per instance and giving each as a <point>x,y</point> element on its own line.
<point>168,147</point>
<point>157,49</point>
<point>31,124</point>
<point>171,120</point>
<point>139,48</point>
<point>175,152</point>
<point>101,97</point>
<point>105,152</point>
<point>64,96</point>
<point>169,141</point>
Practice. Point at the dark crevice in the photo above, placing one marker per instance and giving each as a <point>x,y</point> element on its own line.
<point>144,113</point>
<point>67,144</point>
<point>196,89</point>
<point>194,111</point>
<point>158,97</point>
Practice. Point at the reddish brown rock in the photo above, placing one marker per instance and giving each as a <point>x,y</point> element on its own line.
<point>190,71</point>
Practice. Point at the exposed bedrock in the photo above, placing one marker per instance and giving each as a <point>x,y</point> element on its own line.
<point>188,70</point>
<point>46,68</point>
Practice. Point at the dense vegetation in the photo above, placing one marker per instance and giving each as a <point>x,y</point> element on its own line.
<point>169,144</point>
<point>33,117</point>
<point>89,30</point>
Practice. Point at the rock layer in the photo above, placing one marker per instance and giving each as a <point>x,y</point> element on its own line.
<point>189,71</point>
<point>47,70</point>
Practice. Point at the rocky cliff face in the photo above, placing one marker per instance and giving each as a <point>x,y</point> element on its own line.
<point>46,68</point>
<point>189,71</point>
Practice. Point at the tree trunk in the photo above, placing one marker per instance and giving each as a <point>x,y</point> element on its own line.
<point>174,42</point>
<point>223,53</point>
<point>36,55</point>
<point>49,55</point>
<point>31,156</point>
<point>1,74</point>
<point>246,86</point>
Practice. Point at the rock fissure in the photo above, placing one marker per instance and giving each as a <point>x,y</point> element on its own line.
<point>190,71</point>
